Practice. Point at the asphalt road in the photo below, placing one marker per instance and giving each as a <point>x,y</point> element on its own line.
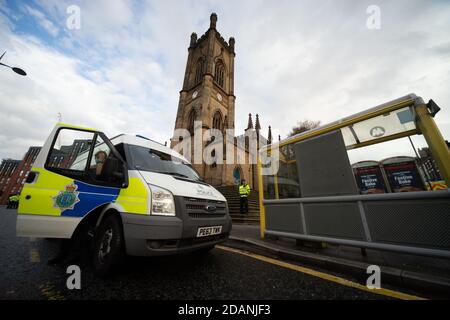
<point>221,274</point>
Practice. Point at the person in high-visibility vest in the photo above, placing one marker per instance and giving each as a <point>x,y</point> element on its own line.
<point>13,202</point>
<point>244,192</point>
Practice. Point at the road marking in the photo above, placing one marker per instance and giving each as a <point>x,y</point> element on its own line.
<point>49,291</point>
<point>34,255</point>
<point>322,275</point>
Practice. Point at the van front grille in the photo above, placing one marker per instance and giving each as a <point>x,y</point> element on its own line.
<point>202,208</point>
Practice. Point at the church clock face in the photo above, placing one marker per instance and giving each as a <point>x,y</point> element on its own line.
<point>219,97</point>
<point>194,94</point>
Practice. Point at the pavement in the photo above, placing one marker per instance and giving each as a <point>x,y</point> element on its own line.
<point>423,275</point>
<point>225,273</point>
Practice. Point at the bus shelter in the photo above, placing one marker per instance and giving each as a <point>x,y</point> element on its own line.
<point>314,195</point>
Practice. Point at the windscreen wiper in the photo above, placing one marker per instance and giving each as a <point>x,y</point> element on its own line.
<point>176,174</point>
<point>184,177</point>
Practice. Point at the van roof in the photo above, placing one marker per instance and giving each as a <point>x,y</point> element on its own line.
<point>146,143</point>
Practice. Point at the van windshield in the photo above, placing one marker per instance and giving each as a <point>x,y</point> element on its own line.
<point>146,159</point>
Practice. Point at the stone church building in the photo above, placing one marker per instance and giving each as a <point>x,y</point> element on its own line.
<point>208,96</point>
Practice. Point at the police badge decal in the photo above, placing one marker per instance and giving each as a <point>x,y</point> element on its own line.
<point>67,199</point>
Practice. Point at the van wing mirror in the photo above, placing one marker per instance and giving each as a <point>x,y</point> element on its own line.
<point>113,169</point>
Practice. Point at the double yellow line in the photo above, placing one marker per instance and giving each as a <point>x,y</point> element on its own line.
<point>322,275</point>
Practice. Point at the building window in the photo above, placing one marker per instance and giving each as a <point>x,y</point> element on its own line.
<point>217,121</point>
<point>199,70</point>
<point>191,121</point>
<point>219,73</point>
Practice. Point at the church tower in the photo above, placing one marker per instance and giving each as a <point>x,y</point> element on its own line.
<point>208,90</point>
<point>208,86</point>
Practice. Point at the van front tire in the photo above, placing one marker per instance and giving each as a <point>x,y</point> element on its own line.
<point>108,246</point>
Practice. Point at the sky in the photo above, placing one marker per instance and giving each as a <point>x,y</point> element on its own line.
<point>122,70</point>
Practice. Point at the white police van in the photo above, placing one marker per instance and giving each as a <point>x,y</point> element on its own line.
<point>133,195</point>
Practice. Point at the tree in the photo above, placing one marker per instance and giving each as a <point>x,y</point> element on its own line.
<point>303,126</point>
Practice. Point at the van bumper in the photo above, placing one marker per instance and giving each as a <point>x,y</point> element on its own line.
<point>147,235</point>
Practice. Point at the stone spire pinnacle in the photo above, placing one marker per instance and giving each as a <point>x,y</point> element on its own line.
<point>193,40</point>
<point>257,124</point>
<point>213,20</point>
<point>269,135</point>
<point>250,122</point>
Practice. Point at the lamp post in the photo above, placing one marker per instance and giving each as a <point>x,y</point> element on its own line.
<point>15,69</point>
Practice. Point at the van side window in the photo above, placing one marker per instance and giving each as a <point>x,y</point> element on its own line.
<point>70,150</point>
<point>87,157</point>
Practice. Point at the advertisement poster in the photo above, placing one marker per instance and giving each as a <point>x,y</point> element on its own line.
<point>370,180</point>
<point>404,177</point>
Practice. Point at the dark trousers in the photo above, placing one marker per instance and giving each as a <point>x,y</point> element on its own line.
<point>12,205</point>
<point>244,204</point>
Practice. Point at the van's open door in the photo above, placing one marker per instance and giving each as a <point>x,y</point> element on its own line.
<point>76,171</point>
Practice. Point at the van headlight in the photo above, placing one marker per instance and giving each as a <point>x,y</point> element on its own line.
<point>162,201</point>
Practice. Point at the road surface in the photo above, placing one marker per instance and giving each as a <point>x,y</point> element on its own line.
<point>221,274</point>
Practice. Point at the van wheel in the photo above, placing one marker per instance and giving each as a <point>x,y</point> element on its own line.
<point>108,246</point>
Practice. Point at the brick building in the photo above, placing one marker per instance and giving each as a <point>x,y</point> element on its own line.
<point>14,172</point>
<point>8,168</point>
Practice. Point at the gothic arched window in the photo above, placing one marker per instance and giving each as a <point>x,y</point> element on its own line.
<point>219,73</point>
<point>191,120</point>
<point>199,70</point>
<point>217,121</point>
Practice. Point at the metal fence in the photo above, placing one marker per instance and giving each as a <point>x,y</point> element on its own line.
<point>414,222</point>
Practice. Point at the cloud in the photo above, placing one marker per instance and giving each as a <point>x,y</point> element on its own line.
<point>104,98</point>
<point>42,20</point>
<point>295,60</point>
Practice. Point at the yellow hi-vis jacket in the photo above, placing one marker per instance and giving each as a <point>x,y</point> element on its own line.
<point>244,190</point>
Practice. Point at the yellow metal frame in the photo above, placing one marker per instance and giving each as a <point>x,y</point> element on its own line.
<point>424,122</point>
<point>68,125</point>
<point>435,140</point>
<point>407,101</point>
<point>262,211</point>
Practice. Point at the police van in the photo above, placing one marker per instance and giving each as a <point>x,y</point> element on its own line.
<point>133,196</point>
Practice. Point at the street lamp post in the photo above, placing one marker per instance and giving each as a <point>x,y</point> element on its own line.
<point>15,69</point>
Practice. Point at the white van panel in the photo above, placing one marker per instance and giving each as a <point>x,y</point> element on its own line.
<point>182,188</point>
<point>30,225</point>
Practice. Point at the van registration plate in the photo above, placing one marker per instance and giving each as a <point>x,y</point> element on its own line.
<point>208,231</point>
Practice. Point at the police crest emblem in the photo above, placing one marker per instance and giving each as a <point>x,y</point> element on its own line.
<point>67,199</point>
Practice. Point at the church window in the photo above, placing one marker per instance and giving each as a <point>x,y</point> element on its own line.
<point>219,73</point>
<point>200,69</point>
<point>217,121</point>
<point>191,120</point>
